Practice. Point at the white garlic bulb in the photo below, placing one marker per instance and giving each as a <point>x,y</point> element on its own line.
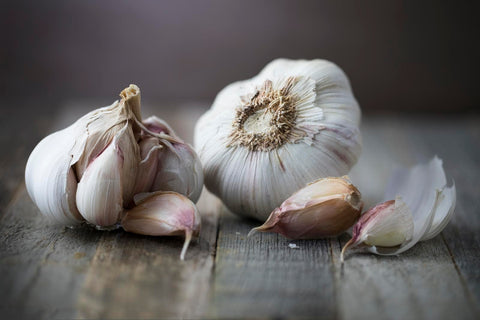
<point>93,169</point>
<point>267,137</point>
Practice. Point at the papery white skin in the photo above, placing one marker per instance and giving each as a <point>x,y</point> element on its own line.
<point>390,227</point>
<point>50,180</point>
<point>106,185</point>
<point>179,170</point>
<point>427,200</point>
<point>325,142</point>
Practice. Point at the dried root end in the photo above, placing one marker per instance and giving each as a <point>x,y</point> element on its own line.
<point>350,243</point>
<point>253,232</point>
<point>188,238</point>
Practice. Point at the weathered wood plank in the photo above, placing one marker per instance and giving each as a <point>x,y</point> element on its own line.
<point>52,272</point>
<point>457,141</point>
<point>21,127</point>
<point>420,283</point>
<point>133,276</point>
<point>262,277</point>
<point>42,265</point>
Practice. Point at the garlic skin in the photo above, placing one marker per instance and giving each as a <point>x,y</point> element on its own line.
<point>324,208</point>
<point>388,224</point>
<point>267,137</point>
<point>179,170</point>
<point>92,170</point>
<point>422,208</point>
<point>153,215</point>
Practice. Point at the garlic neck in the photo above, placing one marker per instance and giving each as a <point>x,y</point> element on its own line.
<point>266,120</point>
<point>131,97</point>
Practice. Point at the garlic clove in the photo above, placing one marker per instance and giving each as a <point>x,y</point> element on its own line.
<point>130,152</point>
<point>179,170</point>
<point>163,214</point>
<point>50,180</point>
<point>388,224</point>
<point>103,189</point>
<point>324,208</point>
<point>147,168</point>
<point>157,125</point>
<point>420,192</point>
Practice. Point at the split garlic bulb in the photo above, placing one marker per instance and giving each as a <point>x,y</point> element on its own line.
<point>93,169</point>
<point>267,137</point>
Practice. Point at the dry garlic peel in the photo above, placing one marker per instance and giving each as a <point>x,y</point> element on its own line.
<point>324,208</point>
<point>163,214</point>
<point>267,137</point>
<point>93,169</point>
<point>422,208</point>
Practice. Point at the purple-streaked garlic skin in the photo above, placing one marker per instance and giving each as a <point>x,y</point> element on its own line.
<point>378,211</point>
<point>324,208</point>
<point>157,125</point>
<point>331,218</point>
<point>179,170</point>
<point>147,168</point>
<point>386,225</point>
<point>164,214</point>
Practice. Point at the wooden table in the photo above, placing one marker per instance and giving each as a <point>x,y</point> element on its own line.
<point>47,272</point>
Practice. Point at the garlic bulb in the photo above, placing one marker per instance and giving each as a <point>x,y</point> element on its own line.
<point>324,208</point>
<point>422,208</point>
<point>267,137</point>
<point>93,169</point>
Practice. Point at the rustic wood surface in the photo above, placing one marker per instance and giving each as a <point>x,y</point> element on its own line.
<point>48,272</point>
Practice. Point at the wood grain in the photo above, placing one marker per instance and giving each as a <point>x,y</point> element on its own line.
<point>420,283</point>
<point>262,277</point>
<point>51,272</point>
<point>133,276</point>
<point>42,265</point>
<point>457,142</point>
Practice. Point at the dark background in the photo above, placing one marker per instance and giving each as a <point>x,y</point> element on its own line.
<point>407,55</point>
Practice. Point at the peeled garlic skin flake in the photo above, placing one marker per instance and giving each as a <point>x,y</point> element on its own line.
<point>267,137</point>
<point>423,206</point>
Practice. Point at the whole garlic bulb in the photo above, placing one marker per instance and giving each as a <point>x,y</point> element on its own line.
<point>93,169</point>
<point>267,137</point>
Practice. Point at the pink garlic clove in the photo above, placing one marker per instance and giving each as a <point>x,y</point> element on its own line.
<point>388,224</point>
<point>163,214</point>
<point>324,208</point>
